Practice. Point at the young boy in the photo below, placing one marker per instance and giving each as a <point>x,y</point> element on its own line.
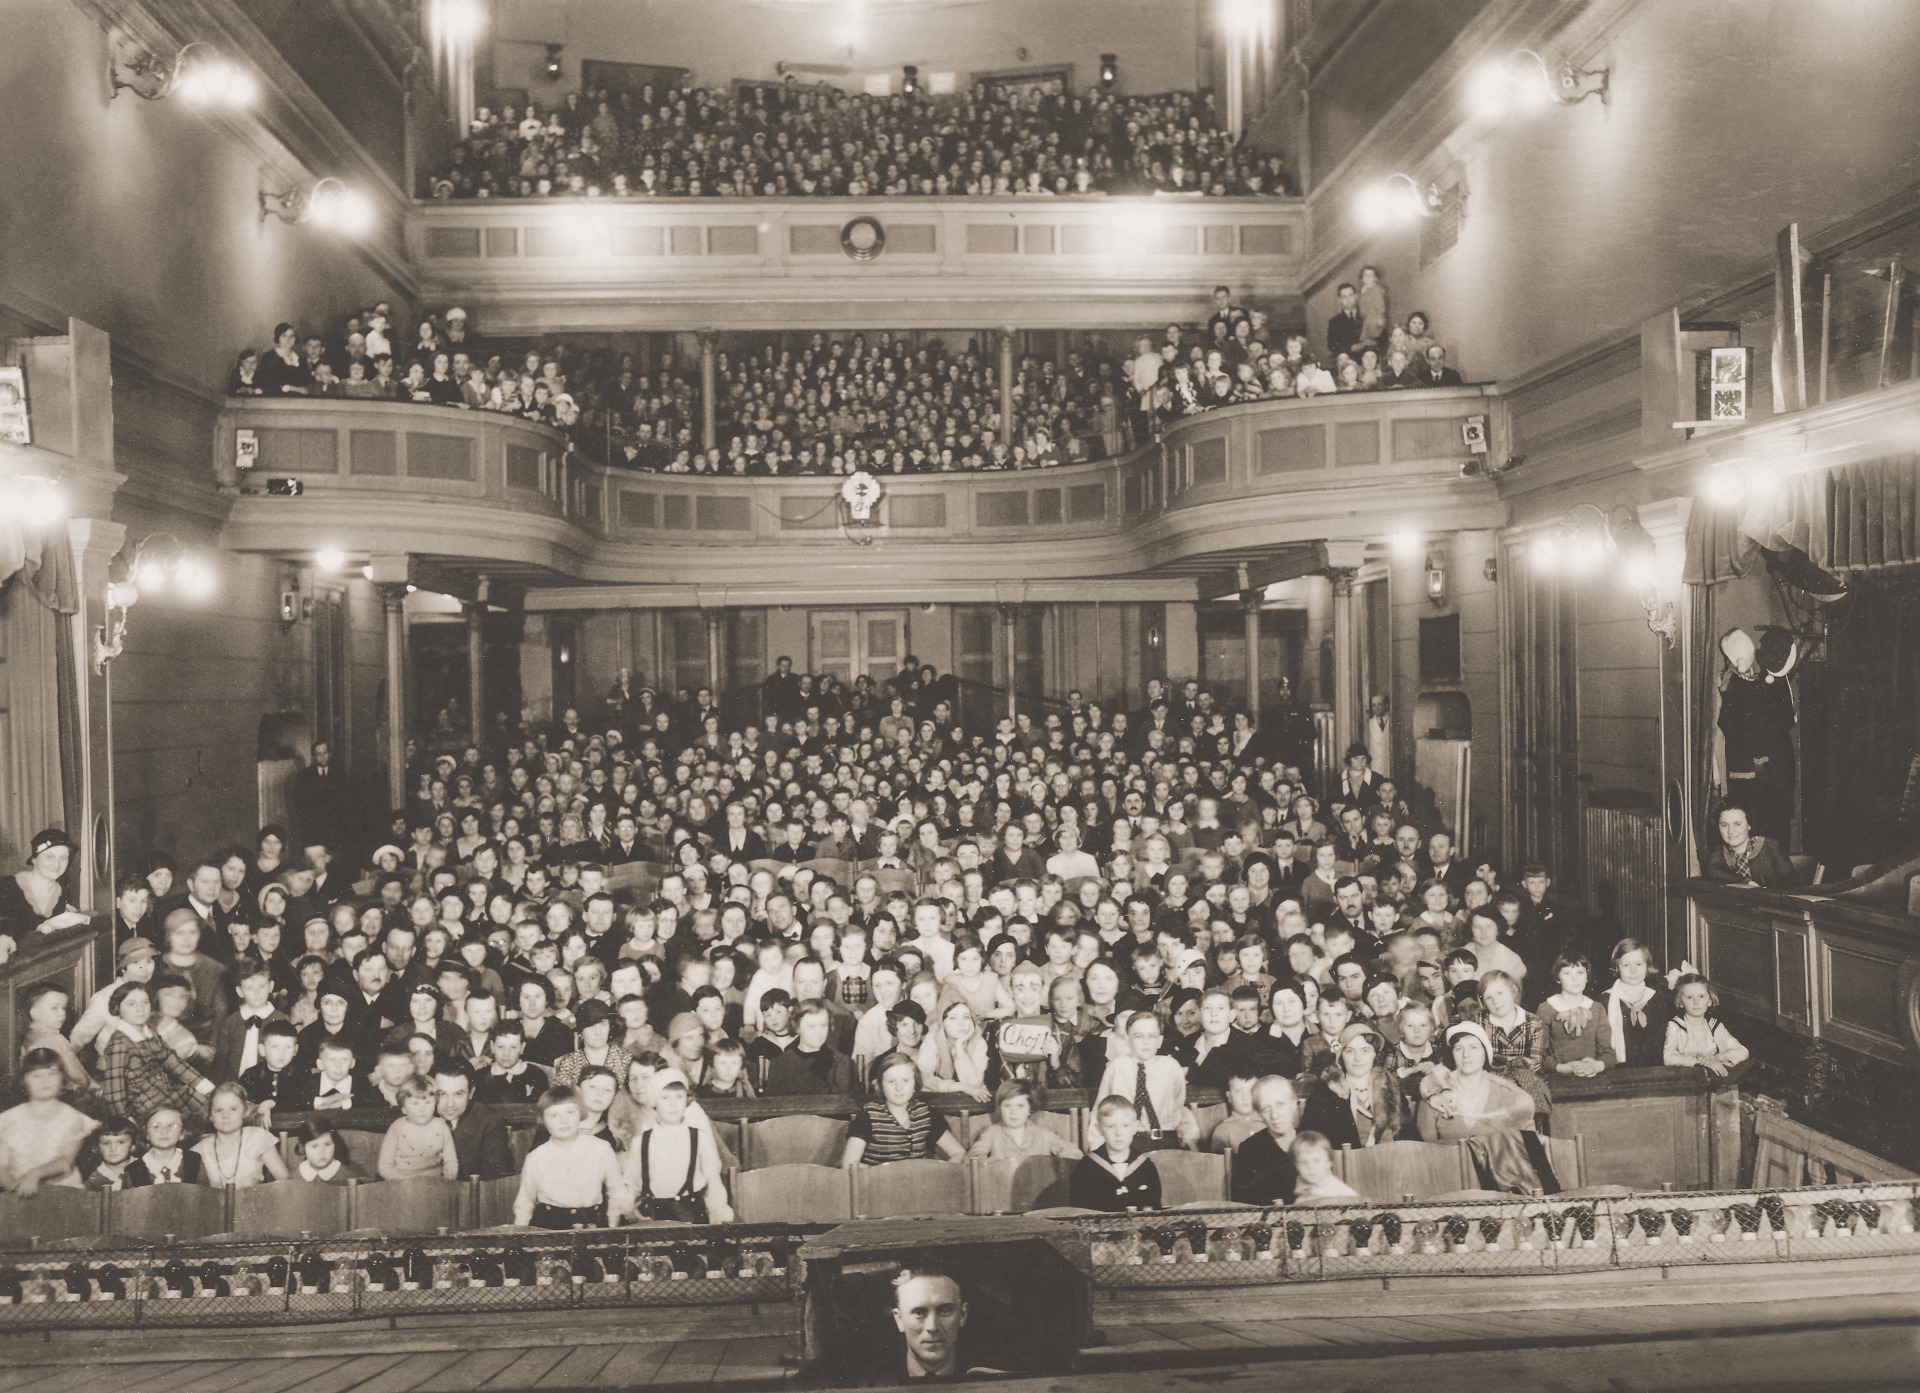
<point>165,1161</point>
<point>1111,1177</point>
<point>571,1180</point>
<point>1241,1120</point>
<point>1157,1084</point>
<point>1320,1050</point>
<point>333,1089</point>
<point>673,1172</point>
<point>1313,1165</point>
<point>776,1035</point>
<point>511,1079</point>
<point>726,1072</point>
<point>236,1040</point>
<point>273,1082</point>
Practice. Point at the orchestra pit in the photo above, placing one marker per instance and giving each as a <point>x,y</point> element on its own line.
<point>1090,694</point>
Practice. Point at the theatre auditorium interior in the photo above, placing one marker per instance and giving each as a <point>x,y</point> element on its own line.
<point>1219,691</point>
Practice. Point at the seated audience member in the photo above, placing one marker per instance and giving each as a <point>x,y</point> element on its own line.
<point>140,1073</point>
<point>323,1156</point>
<point>1242,1119</point>
<point>1116,1177</point>
<point>1575,1028</point>
<point>112,1153</point>
<point>273,1082</point>
<point>1518,1042</point>
<point>46,1019</point>
<point>165,1161</point>
<point>1314,1180</point>
<point>674,1173</point>
<point>1355,1101</point>
<point>41,1138</point>
<point>1014,1134</point>
<point>1155,1083</point>
<point>236,1040</point>
<point>479,1136</point>
<point>1263,1171</point>
<point>726,1075</point>
<point>896,1123</point>
<point>510,1078</point>
<point>234,1153</point>
<point>1696,1036</point>
<point>810,1065</point>
<point>418,1142</point>
<point>1637,1013</point>
<point>953,1058</point>
<point>571,1180</point>
<point>1744,857</point>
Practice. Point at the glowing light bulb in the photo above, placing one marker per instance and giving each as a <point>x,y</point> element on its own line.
<point>330,559</point>
<point>44,503</point>
<point>1640,571</point>
<point>337,208</point>
<point>196,578</point>
<point>151,577</point>
<point>1726,487</point>
<point>1407,544</point>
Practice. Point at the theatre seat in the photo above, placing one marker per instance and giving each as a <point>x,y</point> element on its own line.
<point>772,867</point>
<point>891,880</point>
<point>968,1126</point>
<point>154,1211</point>
<point>1568,1157</point>
<point>289,1208</point>
<point>57,1211</point>
<point>488,1203</point>
<point>1393,1170</point>
<point>840,872</point>
<point>903,1189</point>
<point>1190,1176</point>
<point>1015,1187</point>
<point>801,1139</point>
<point>406,1206</point>
<point>797,1194</point>
<point>362,1148</point>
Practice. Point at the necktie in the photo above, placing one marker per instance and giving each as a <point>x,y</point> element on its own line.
<point>1142,1103</point>
<point>250,1048</point>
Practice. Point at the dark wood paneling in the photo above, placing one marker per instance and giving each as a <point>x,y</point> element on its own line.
<point>439,456</point>
<point>1207,462</point>
<point>374,452</point>
<point>1003,509</point>
<point>1356,443</point>
<point>732,512</point>
<point>298,451</point>
<point>1290,448</point>
<point>523,467</point>
<point>917,510</point>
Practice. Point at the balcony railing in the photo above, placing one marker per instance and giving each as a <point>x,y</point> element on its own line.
<point>535,265</point>
<point>393,479</point>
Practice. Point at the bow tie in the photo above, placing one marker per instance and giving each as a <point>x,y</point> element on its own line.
<point>255,1018</point>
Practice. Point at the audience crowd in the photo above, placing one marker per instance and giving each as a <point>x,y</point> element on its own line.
<point>636,908</point>
<point>795,141</point>
<point>880,402</point>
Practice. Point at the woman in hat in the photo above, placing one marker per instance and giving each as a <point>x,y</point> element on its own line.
<point>1470,1100</point>
<point>1356,1102</point>
<point>32,900</point>
<point>600,1035</point>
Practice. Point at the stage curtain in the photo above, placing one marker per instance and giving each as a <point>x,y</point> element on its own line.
<point>32,791</point>
<point>1873,515</point>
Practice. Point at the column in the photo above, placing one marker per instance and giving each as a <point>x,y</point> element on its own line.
<point>393,598</point>
<point>1010,638</point>
<point>716,651</point>
<point>708,435</point>
<point>1250,603</point>
<point>476,612</point>
<point>1346,659</point>
<point>1007,431</point>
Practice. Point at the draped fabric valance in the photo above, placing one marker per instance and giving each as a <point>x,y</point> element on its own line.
<point>1854,517</point>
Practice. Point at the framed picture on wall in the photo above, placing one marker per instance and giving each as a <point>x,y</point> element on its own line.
<point>16,427</point>
<point>1722,379</point>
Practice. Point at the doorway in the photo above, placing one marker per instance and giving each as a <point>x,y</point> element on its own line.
<point>847,643</point>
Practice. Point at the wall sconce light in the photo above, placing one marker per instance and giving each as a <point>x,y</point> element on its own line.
<point>329,205</point>
<point>909,79</point>
<point>1109,69</point>
<point>158,564</point>
<point>35,499</point>
<point>553,66</point>
<point>1436,579</point>
<point>1524,81</point>
<point>198,73</point>
<point>1396,200</point>
<point>1582,542</point>
<point>1153,636</point>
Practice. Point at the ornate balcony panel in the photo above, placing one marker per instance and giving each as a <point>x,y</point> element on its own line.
<point>526,266</point>
<point>493,492</point>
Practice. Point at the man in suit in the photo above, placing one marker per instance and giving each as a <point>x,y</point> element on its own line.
<point>627,846</point>
<point>1343,330</point>
<point>479,1136</point>
<point>780,693</point>
<point>1015,860</point>
<point>321,800</point>
<point>1439,863</point>
<point>1435,370</point>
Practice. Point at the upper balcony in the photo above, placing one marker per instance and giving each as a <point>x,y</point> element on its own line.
<point>474,492</point>
<point>542,266</point>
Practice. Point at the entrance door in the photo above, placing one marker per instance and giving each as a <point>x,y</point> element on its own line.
<point>849,642</point>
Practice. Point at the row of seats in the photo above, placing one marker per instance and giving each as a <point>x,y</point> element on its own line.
<point>794,1192</point>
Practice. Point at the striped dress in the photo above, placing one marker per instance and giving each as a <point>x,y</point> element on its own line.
<point>887,1140</point>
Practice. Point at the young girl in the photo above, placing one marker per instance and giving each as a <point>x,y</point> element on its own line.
<point>953,1059</point>
<point>40,1140</point>
<point>164,1162</point>
<point>418,1143</point>
<point>1313,1165</point>
<point>172,1001</point>
<point>971,983</point>
<point>113,1153</point>
<point>1518,1042</point>
<point>1696,1037</point>
<point>1636,1013</point>
<point>726,1072</point>
<point>1013,1135</point>
<point>1576,1041</point>
<point>234,1153</point>
<point>323,1157</point>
